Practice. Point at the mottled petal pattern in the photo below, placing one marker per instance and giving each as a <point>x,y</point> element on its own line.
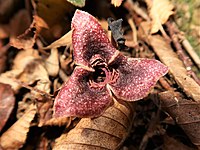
<point>76,98</point>
<point>89,39</point>
<point>101,72</point>
<point>137,76</point>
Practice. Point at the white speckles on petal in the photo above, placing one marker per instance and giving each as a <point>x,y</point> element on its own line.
<point>76,98</point>
<point>137,77</point>
<point>89,38</point>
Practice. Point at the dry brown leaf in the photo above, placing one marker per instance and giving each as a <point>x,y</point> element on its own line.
<point>35,71</point>
<point>7,101</point>
<point>3,56</point>
<point>52,63</point>
<point>7,9</point>
<point>4,31</point>
<point>24,57</point>
<point>185,112</point>
<point>105,132</point>
<point>27,39</point>
<point>65,40</point>
<point>56,122</point>
<point>19,23</point>
<point>176,67</point>
<point>159,11</point>
<point>116,3</point>
<point>7,78</point>
<point>171,143</point>
<point>15,137</point>
<point>21,61</point>
<point>57,20</point>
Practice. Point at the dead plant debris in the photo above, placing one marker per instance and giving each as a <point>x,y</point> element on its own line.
<point>37,58</point>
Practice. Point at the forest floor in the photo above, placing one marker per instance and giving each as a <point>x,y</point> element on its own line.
<point>36,58</point>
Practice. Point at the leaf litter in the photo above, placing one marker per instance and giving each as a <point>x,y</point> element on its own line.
<point>37,69</point>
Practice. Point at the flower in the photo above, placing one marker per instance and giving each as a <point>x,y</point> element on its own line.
<point>102,72</point>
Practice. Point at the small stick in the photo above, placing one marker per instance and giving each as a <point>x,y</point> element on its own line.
<point>190,51</point>
<point>186,60</point>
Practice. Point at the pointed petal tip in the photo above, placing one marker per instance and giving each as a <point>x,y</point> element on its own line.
<point>137,77</point>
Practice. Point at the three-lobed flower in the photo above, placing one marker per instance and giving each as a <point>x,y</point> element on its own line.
<point>102,73</point>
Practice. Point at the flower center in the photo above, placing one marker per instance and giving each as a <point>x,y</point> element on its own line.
<point>102,74</point>
<point>99,75</point>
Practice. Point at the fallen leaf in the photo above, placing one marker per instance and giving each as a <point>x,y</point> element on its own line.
<point>79,3</point>
<point>185,112</point>
<point>7,78</point>
<point>116,3</point>
<point>170,143</point>
<point>7,101</point>
<point>27,40</point>
<point>7,9</point>
<point>159,11</point>
<point>15,137</point>
<point>105,132</point>
<point>52,63</point>
<point>19,23</point>
<point>3,56</point>
<point>56,122</point>
<point>36,72</point>
<point>22,59</point>
<point>58,20</point>
<point>176,67</point>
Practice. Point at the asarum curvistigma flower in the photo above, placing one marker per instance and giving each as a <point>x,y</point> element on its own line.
<point>102,72</point>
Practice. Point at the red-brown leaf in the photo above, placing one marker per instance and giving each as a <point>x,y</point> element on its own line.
<point>7,101</point>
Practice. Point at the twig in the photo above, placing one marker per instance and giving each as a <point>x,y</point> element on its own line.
<point>186,60</point>
<point>190,51</point>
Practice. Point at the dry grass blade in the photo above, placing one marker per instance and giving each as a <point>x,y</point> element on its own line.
<point>16,135</point>
<point>184,112</point>
<point>103,133</point>
<point>176,67</point>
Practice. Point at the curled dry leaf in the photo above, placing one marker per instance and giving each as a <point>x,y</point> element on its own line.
<point>171,143</point>
<point>176,67</point>
<point>15,136</point>
<point>116,3</point>
<point>7,101</point>
<point>159,12</point>
<point>27,39</point>
<point>105,132</point>
<point>7,78</point>
<point>52,63</point>
<point>185,112</point>
<point>35,71</point>
<point>21,62</point>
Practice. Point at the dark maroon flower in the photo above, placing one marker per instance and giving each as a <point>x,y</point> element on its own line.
<point>101,72</point>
